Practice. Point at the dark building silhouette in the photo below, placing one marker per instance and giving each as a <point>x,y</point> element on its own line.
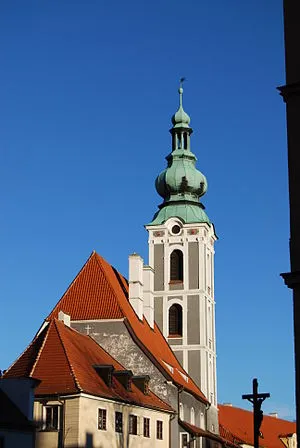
<point>291,95</point>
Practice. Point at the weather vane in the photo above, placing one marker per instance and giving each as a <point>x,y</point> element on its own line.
<point>181,81</point>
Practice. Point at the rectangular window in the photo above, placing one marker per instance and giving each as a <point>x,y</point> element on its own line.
<point>184,441</point>
<point>102,419</point>
<point>146,427</point>
<point>51,418</point>
<point>118,422</point>
<point>159,429</point>
<point>133,424</point>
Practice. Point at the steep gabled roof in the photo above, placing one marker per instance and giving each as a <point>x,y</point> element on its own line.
<point>100,292</point>
<point>64,363</point>
<point>239,423</point>
<point>94,292</point>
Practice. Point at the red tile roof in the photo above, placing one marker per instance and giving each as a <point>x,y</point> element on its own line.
<point>93,294</point>
<point>100,292</point>
<point>64,360</point>
<point>199,432</point>
<point>239,423</point>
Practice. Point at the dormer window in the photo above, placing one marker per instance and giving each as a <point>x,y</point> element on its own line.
<point>124,377</point>
<point>105,372</point>
<point>142,383</point>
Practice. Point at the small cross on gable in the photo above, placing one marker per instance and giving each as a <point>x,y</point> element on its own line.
<point>88,328</point>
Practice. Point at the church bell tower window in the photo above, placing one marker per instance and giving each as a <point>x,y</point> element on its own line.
<point>175,320</point>
<point>185,140</point>
<point>176,266</point>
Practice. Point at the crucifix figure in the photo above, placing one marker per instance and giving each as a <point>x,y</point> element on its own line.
<point>88,328</point>
<point>257,400</point>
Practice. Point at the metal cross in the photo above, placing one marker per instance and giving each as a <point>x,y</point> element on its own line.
<point>256,399</point>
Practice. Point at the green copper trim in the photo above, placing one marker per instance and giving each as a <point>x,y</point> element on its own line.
<point>181,185</point>
<point>188,213</point>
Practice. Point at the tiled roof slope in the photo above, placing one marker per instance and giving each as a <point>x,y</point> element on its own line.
<point>64,364</point>
<point>93,292</point>
<point>239,423</point>
<point>100,292</point>
<point>199,432</point>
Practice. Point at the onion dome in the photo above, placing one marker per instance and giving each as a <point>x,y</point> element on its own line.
<point>181,184</point>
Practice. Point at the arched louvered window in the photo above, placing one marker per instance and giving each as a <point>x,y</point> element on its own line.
<point>176,266</point>
<point>192,419</point>
<point>181,412</point>
<point>175,320</point>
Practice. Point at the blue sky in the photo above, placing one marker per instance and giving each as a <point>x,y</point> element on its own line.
<point>87,89</point>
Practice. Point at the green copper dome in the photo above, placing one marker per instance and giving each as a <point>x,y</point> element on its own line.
<point>181,184</point>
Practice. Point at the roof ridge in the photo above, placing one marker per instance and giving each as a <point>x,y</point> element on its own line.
<point>99,261</point>
<point>23,352</point>
<point>47,329</point>
<point>66,354</point>
<point>250,412</point>
<point>72,282</point>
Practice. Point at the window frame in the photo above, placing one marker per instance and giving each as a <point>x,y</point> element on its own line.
<point>133,424</point>
<point>182,435</point>
<point>181,411</point>
<point>53,419</point>
<point>146,427</point>
<point>175,321</point>
<point>159,430</point>
<point>119,424</point>
<point>103,425</point>
<point>192,416</point>
<point>176,266</point>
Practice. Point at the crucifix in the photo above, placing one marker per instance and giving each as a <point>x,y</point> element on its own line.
<point>256,399</point>
<point>88,328</point>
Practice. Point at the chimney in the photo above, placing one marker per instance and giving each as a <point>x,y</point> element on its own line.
<point>136,284</point>
<point>273,414</point>
<point>148,277</point>
<point>65,318</point>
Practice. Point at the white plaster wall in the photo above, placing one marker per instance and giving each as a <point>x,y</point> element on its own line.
<point>88,424</point>
<point>205,237</point>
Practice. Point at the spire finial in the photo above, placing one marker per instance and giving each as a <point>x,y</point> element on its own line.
<point>180,119</point>
<point>180,90</point>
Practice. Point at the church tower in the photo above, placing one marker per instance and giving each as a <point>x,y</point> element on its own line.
<point>181,251</point>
